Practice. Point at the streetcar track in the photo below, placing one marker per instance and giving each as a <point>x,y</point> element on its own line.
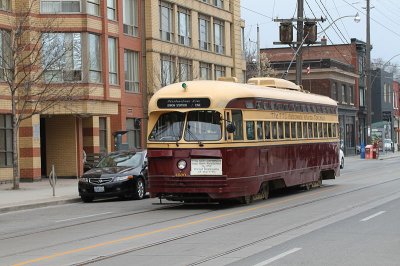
<point>169,240</point>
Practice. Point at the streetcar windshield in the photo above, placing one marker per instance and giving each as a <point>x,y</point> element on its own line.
<point>168,127</point>
<point>200,126</point>
<point>203,125</point>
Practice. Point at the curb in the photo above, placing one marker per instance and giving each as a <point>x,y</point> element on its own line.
<point>37,205</point>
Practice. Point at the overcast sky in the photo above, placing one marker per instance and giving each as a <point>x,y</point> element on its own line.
<point>385,26</point>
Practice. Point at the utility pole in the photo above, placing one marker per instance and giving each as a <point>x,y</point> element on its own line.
<point>258,52</point>
<point>300,36</point>
<point>368,75</point>
<point>306,33</point>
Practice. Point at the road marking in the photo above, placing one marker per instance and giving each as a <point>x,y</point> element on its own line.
<point>161,230</point>
<point>82,217</point>
<point>280,256</point>
<point>372,216</point>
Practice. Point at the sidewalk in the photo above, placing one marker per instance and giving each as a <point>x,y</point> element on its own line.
<point>37,194</point>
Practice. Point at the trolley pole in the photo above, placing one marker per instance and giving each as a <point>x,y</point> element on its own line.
<point>300,36</point>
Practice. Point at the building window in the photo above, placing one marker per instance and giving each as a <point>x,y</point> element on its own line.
<point>103,134</point>
<point>166,32</point>
<point>62,58</point>
<point>112,61</point>
<point>204,33</point>
<point>351,95</point>
<point>6,150</point>
<point>130,19</point>
<point>5,54</point>
<point>131,62</point>
<point>111,10</point>
<point>93,7</point>
<point>343,94</point>
<point>185,69</point>
<point>5,5</point>
<point>184,27</point>
<point>335,92</point>
<point>219,71</point>
<point>219,36</point>
<point>94,58</point>
<point>167,70</point>
<point>60,6</point>
<point>133,126</point>
<point>205,71</point>
<point>219,3</point>
<point>384,92</point>
<point>362,97</point>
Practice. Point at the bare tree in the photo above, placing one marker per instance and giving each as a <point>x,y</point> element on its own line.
<point>250,53</point>
<point>39,66</point>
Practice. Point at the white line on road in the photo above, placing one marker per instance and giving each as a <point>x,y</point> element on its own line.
<point>372,216</point>
<point>284,254</point>
<point>82,217</point>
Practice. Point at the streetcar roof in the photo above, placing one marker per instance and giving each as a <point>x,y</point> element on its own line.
<point>222,92</point>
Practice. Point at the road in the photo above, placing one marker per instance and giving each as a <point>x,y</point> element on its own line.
<point>352,220</point>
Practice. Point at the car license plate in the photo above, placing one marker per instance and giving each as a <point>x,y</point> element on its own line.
<point>98,189</point>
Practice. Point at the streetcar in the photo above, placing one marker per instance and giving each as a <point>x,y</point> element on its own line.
<point>220,140</point>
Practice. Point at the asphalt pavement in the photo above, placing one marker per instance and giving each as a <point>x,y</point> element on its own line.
<point>40,193</point>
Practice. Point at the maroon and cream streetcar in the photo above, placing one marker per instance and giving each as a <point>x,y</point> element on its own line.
<point>217,140</point>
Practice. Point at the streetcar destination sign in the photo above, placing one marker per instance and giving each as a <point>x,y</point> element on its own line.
<point>171,103</point>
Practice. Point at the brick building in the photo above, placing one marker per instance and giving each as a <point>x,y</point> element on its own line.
<point>107,64</point>
<point>189,40</point>
<point>396,106</point>
<point>336,71</point>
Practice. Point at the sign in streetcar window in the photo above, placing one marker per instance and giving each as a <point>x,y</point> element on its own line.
<point>169,103</point>
<point>206,167</point>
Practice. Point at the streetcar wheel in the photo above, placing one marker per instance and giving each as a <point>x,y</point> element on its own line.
<point>265,191</point>
<point>247,199</point>
<point>307,187</point>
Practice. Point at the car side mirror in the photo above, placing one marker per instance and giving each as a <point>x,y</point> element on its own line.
<point>230,128</point>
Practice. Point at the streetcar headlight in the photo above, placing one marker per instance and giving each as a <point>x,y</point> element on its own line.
<point>181,164</point>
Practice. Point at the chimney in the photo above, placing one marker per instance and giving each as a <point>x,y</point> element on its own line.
<point>323,40</point>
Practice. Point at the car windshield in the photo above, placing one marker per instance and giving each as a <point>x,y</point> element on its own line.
<point>129,159</point>
<point>203,125</point>
<point>168,127</point>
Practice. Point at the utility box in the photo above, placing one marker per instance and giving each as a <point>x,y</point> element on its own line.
<point>368,151</point>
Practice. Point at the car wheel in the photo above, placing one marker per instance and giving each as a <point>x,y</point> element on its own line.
<point>140,189</point>
<point>342,163</point>
<point>86,199</point>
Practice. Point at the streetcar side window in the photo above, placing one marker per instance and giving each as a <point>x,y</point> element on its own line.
<point>299,132</point>
<point>326,134</point>
<point>237,120</point>
<point>250,130</point>
<point>310,130</point>
<point>293,129</point>
<point>274,130</point>
<point>305,130</point>
<point>287,130</point>
<point>280,130</point>
<point>267,125</point>
<point>330,133</point>
<point>320,130</point>
<point>260,133</point>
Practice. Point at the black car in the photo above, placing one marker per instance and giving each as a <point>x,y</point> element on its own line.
<point>121,173</point>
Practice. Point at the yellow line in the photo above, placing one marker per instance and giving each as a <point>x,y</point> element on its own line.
<point>107,243</point>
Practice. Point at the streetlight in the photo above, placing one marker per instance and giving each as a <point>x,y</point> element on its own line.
<point>356,17</point>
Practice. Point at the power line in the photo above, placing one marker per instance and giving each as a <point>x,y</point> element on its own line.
<point>255,12</point>
<point>344,26</point>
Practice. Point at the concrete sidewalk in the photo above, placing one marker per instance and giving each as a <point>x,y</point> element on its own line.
<point>37,194</point>
<point>40,194</point>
